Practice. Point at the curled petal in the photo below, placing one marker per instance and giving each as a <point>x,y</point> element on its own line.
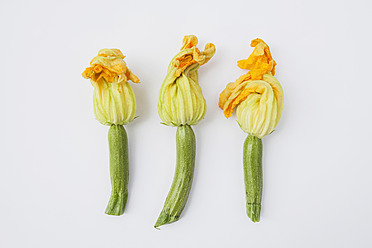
<point>225,96</point>
<point>190,54</point>
<point>260,61</point>
<point>181,100</point>
<point>189,41</point>
<point>109,64</point>
<point>262,106</point>
<point>257,95</point>
<point>114,100</point>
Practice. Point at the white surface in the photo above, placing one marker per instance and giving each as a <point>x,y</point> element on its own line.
<point>54,177</point>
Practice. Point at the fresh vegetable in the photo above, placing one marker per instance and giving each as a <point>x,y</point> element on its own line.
<point>114,105</point>
<point>181,186</point>
<point>119,169</point>
<point>252,161</point>
<point>181,104</point>
<point>258,97</point>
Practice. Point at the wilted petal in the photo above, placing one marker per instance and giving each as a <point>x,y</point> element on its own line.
<point>257,95</point>
<point>181,100</point>
<point>114,100</point>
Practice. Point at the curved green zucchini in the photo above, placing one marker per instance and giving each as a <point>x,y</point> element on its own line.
<point>119,172</point>
<point>180,189</point>
<point>252,161</point>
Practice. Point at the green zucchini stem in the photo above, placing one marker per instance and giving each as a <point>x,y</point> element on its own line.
<point>119,171</point>
<point>182,181</point>
<point>252,161</point>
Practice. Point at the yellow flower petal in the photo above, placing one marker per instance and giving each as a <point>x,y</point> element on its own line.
<point>190,55</point>
<point>260,61</point>
<point>114,100</point>
<point>181,100</point>
<point>225,96</point>
<point>257,95</point>
<point>107,65</point>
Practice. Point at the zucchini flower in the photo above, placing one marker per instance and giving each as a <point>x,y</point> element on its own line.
<point>181,104</point>
<point>114,105</point>
<point>181,101</point>
<point>113,99</point>
<point>258,97</point>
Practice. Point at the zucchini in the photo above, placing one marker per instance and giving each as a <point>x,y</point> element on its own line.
<point>119,171</point>
<point>182,181</point>
<point>252,161</point>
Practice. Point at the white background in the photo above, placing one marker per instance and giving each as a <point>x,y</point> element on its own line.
<point>54,173</point>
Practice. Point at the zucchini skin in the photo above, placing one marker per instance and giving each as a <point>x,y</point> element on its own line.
<point>253,179</point>
<point>119,170</point>
<point>184,174</point>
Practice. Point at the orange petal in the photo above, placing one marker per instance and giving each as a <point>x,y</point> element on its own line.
<point>259,63</point>
<point>108,65</point>
<point>225,95</point>
<point>194,56</point>
<point>189,41</point>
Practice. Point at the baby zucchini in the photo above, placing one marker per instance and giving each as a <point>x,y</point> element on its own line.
<point>180,189</point>
<point>252,161</point>
<point>119,171</point>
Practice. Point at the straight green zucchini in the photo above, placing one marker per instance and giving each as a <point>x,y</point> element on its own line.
<point>182,181</point>
<point>252,161</point>
<point>119,171</point>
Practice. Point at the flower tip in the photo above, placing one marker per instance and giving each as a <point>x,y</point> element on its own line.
<point>114,52</point>
<point>243,64</point>
<point>210,46</point>
<point>257,41</point>
<point>189,41</point>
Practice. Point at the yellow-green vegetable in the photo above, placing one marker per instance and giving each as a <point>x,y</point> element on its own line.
<point>114,105</point>
<point>182,104</point>
<point>183,176</point>
<point>119,169</point>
